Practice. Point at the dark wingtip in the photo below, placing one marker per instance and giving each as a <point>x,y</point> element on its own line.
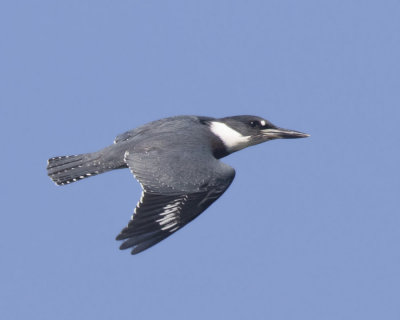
<point>125,245</point>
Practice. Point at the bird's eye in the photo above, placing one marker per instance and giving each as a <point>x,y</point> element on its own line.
<point>255,123</point>
<point>260,124</point>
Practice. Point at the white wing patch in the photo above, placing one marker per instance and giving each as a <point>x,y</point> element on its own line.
<point>232,139</point>
<point>169,217</point>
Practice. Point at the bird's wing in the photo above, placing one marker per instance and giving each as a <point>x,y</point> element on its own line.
<point>174,193</point>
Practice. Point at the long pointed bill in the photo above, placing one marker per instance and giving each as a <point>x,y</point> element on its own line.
<point>280,133</point>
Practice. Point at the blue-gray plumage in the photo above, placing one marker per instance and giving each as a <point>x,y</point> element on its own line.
<point>176,161</point>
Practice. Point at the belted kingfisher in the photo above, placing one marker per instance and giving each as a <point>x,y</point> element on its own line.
<point>176,161</point>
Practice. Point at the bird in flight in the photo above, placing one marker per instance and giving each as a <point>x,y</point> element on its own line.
<point>176,161</point>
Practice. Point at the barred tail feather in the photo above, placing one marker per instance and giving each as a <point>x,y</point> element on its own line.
<point>68,169</point>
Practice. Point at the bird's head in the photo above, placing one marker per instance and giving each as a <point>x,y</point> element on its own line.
<point>239,132</point>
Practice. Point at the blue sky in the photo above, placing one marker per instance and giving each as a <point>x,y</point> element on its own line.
<point>309,228</point>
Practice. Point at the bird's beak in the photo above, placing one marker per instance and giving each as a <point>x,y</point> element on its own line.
<point>280,133</point>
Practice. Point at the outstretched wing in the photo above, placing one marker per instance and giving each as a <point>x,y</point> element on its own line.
<point>175,191</point>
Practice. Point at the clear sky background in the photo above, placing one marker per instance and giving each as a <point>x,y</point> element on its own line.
<point>309,228</point>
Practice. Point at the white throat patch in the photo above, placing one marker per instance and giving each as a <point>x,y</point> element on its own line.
<point>232,139</point>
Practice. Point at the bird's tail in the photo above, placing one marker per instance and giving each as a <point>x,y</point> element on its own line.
<point>68,169</point>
